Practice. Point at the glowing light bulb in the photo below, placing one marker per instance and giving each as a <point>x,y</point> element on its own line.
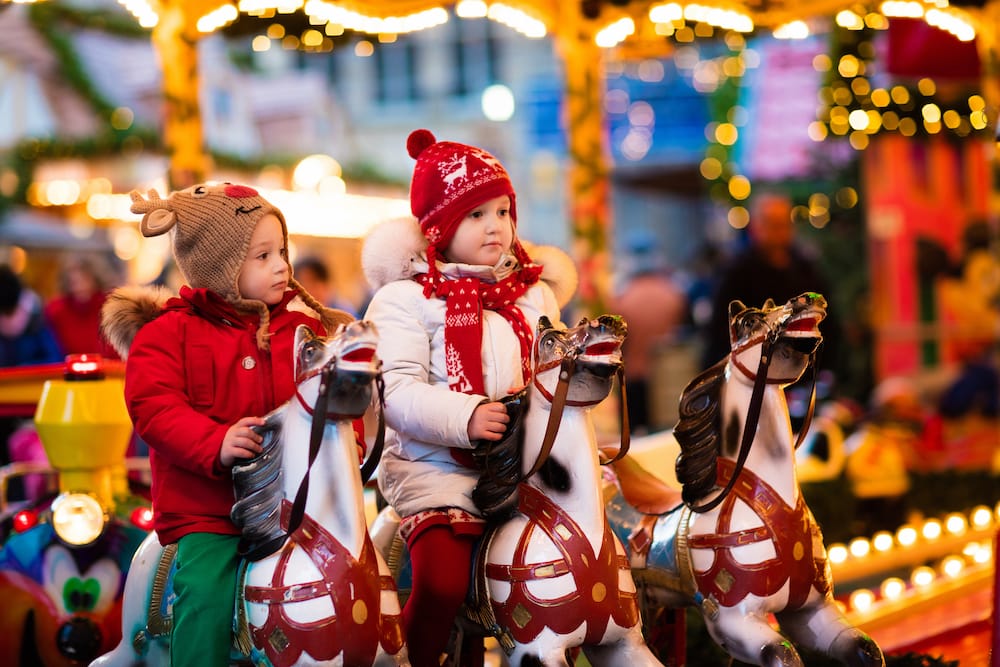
<point>859,547</point>
<point>893,588</point>
<point>922,577</point>
<point>882,541</point>
<point>906,536</point>
<point>952,566</point>
<point>981,517</point>
<point>862,599</point>
<point>932,529</point>
<point>955,524</point>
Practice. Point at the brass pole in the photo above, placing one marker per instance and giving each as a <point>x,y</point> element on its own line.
<point>176,42</point>
<point>589,193</point>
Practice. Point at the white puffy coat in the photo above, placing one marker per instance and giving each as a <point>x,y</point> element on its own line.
<point>424,418</point>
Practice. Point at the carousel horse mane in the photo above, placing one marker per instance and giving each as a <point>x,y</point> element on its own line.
<point>698,432</point>
<point>495,494</point>
<point>259,486</point>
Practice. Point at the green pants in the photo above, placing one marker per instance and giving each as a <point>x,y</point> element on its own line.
<point>205,589</point>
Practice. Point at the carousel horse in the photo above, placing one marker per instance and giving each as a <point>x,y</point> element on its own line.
<point>743,544</point>
<point>312,589</point>
<point>551,576</point>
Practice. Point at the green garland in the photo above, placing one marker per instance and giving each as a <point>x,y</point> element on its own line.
<point>856,92</point>
<point>51,21</point>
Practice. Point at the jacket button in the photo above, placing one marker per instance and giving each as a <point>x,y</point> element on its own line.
<point>249,363</point>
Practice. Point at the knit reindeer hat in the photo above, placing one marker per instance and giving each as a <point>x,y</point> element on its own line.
<point>212,226</point>
<point>449,180</point>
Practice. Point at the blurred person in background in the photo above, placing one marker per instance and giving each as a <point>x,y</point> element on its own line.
<point>772,266</point>
<point>75,312</point>
<point>25,335</point>
<point>313,274</point>
<point>25,338</point>
<point>655,309</point>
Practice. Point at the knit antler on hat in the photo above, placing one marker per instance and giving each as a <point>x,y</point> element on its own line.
<point>158,217</point>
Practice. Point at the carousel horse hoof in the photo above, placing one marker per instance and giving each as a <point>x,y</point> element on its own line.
<point>780,655</point>
<point>856,649</point>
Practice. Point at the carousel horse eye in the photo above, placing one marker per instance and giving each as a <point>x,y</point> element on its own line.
<point>310,351</point>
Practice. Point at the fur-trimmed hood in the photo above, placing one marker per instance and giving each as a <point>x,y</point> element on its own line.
<point>128,309</point>
<point>395,250</point>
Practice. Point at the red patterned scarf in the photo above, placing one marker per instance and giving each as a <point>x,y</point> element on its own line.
<point>465,299</point>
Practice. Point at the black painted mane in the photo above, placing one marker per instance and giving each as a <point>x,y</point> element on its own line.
<point>698,432</point>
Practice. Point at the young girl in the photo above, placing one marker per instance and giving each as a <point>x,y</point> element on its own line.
<point>202,370</point>
<point>457,302</point>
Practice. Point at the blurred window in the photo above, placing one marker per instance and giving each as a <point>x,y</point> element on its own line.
<point>476,50</point>
<point>396,69</point>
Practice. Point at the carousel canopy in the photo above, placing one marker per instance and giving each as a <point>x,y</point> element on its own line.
<point>613,20</point>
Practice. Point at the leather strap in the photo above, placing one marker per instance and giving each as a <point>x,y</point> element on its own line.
<point>750,428</point>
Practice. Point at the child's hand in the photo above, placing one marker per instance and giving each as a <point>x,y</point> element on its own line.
<point>241,442</point>
<point>488,421</point>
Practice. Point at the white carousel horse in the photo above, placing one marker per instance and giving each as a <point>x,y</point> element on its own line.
<point>552,576</point>
<point>318,592</point>
<point>744,544</point>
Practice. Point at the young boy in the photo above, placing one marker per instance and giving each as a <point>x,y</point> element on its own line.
<point>202,370</point>
<point>457,302</point>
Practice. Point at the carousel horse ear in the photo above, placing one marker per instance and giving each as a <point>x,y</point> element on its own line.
<point>544,323</point>
<point>303,334</point>
<point>736,307</point>
<point>769,304</point>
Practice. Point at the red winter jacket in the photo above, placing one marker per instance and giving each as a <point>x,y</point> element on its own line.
<point>191,373</point>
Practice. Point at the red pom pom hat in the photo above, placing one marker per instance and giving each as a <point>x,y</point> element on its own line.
<point>449,180</point>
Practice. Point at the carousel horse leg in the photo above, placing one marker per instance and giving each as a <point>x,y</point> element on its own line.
<point>521,657</point>
<point>824,629</point>
<point>750,638</point>
<point>631,650</point>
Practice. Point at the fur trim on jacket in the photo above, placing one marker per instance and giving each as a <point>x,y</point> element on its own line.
<point>127,310</point>
<point>395,250</point>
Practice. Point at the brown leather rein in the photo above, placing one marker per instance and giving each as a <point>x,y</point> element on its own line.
<point>327,374</point>
<point>753,411</point>
<point>567,367</point>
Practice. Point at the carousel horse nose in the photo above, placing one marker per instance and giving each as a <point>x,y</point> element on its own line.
<point>79,639</point>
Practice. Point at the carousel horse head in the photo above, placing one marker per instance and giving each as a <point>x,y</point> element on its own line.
<point>587,355</point>
<point>770,346</point>
<point>787,336</point>
<point>341,367</point>
<point>572,368</point>
<point>744,547</point>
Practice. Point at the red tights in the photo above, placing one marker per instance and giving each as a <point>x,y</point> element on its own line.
<point>441,562</point>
